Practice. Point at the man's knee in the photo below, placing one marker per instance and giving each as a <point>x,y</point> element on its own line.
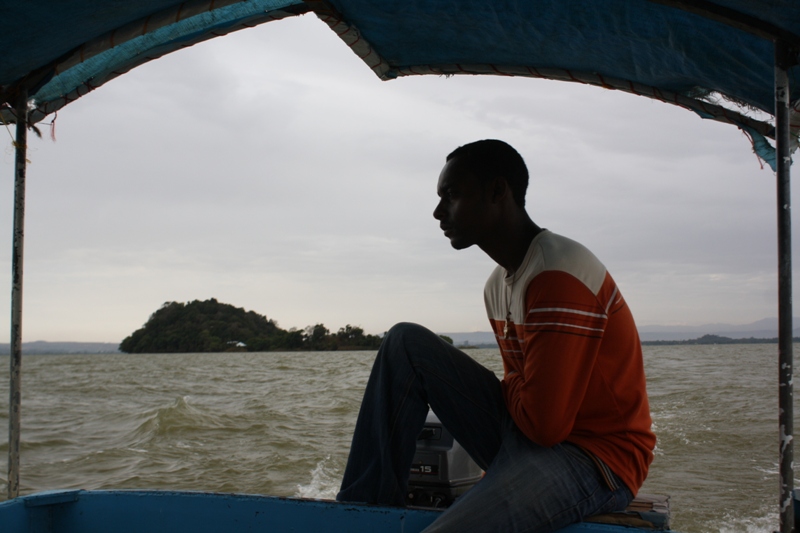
<point>408,336</point>
<point>409,341</point>
<point>403,330</point>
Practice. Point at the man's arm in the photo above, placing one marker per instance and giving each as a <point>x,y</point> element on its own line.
<point>560,339</point>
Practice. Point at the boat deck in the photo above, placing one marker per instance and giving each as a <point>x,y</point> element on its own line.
<point>137,511</point>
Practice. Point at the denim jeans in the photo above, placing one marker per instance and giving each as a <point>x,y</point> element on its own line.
<point>527,487</point>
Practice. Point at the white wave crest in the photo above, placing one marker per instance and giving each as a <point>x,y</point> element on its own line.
<point>325,481</point>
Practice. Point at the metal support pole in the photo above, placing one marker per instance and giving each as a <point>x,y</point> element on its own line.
<point>15,389</point>
<point>783,60</point>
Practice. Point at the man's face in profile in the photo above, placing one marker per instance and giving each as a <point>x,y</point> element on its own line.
<point>463,206</point>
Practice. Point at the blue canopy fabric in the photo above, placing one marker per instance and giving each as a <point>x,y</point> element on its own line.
<point>96,41</point>
<point>715,57</point>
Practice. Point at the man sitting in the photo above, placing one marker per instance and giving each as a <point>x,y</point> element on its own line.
<point>566,434</point>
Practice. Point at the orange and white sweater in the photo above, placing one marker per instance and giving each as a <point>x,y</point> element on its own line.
<point>572,356</point>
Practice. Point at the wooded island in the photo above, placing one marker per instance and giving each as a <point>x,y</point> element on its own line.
<point>211,326</point>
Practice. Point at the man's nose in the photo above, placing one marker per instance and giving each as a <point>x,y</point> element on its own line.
<point>437,212</point>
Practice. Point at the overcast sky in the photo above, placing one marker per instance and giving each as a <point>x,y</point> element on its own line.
<point>272,170</point>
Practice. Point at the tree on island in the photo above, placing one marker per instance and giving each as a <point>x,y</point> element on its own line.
<point>211,326</point>
<point>353,338</point>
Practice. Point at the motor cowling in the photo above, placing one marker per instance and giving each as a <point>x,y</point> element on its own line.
<point>441,470</point>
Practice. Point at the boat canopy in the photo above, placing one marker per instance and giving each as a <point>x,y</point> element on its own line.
<point>714,57</point>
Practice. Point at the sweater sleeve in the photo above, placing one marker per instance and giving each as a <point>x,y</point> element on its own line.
<point>560,338</point>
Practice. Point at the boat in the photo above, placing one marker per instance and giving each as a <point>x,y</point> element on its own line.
<point>718,58</point>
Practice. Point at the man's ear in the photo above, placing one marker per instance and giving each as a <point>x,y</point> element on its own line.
<point>498,189</point>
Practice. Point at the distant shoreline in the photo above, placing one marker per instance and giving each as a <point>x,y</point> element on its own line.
<point>86,348</point>
<point>704,340</point>
<point>716,339</point>
<point>53,348</point>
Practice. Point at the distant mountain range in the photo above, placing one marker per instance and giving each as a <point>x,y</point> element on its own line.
<point>761,329</point>
<point>766,328</point>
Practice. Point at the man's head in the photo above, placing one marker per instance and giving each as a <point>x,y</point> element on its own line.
<point>481,185</point>
<point>490,159</point>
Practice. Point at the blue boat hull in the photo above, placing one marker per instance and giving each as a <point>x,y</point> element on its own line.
<point>137,511</point>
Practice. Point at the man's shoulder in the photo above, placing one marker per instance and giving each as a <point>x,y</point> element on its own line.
<point>551,252</point>
<point>557,248</point>
<point>495,278</point>
<point>555,252</point>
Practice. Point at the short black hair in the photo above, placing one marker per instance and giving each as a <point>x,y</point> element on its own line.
<point>490,158</point>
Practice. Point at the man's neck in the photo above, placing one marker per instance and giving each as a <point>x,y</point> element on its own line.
<point>511,245</point>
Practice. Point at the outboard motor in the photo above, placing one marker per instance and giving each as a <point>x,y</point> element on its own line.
<point>441,470</point>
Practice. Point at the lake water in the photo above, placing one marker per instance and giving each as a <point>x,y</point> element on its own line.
<point>280,424</point>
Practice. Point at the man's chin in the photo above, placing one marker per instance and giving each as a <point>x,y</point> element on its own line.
<point>459,244</point>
